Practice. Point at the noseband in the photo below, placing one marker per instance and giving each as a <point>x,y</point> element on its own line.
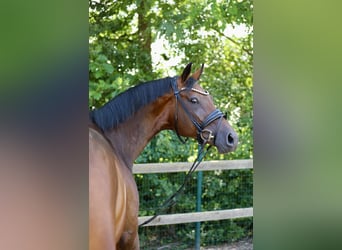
<point>203,135</point>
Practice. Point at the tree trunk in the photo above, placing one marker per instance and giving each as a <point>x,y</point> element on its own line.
<point>144,59</point>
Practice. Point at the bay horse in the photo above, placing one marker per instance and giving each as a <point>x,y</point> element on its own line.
<point>119,131</point>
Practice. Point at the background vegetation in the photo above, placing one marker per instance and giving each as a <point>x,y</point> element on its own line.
<point>137,41</point>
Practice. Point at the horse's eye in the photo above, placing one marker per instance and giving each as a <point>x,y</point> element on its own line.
<point>193,100</point>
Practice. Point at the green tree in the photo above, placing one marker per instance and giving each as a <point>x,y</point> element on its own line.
<point>122,32</point>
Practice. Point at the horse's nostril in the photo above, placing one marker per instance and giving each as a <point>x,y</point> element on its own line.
<point>230,139</point>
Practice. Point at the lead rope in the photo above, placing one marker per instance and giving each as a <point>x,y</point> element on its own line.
<point>173,198</point>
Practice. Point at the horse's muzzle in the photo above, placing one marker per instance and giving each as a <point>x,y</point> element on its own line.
<point>226,142</point>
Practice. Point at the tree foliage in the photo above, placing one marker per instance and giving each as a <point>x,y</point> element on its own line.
<point>122,37</point>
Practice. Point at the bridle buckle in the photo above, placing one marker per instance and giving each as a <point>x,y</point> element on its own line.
<point>207,135</point>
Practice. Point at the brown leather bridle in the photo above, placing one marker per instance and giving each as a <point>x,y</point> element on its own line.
<point>204,135</point>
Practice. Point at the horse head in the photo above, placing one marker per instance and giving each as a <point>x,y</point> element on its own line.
<point>196,115</point>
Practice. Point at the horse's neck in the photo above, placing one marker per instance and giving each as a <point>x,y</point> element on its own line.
<point>130,137</point>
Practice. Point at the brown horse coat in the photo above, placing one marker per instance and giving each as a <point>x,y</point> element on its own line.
<point>111,191</point>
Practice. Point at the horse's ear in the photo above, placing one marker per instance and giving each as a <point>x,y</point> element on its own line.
<point>198,73</point>
<point>186,72</point>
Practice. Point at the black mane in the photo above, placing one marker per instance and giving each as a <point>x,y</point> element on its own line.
<point>127,103</point>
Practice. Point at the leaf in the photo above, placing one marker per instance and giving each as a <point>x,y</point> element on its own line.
<point>108,68</point>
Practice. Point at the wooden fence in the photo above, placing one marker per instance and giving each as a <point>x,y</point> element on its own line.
<point>181,218</point>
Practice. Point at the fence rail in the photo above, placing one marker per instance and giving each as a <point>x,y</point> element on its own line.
<point>197,216</point>
<point>151,168</point>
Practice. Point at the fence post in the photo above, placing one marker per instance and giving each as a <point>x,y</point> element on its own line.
<point>198,209</point>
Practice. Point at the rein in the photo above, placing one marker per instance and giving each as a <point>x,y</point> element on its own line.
<point>172,199</point>
<point>203,137</point>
